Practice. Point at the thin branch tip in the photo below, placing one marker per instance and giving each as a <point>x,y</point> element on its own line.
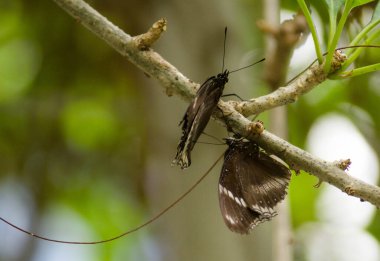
<point>146,40</point>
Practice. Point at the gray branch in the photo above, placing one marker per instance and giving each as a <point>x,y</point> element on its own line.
<point>312,77</point>
<point>137,50</point>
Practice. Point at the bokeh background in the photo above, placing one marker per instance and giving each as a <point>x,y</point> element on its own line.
<point>87,139</point>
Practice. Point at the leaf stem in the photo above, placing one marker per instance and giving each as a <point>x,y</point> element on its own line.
<point>334,42</point>
<point>313,31</point>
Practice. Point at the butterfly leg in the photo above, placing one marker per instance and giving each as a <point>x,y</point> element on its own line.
<point>233,94</point>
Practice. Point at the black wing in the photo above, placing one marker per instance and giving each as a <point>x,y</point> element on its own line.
<point>236,214</point>
<point>250,185</point>
<point>197,116</point>
<point>264,181</point>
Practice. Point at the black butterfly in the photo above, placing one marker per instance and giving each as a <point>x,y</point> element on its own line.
<point>199,112</point>
<point>198,115</point>
<point>251,184</point>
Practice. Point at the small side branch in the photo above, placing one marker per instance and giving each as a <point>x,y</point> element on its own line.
<point>147,60</point>
<point>144,41</point>
<point>289,94</point>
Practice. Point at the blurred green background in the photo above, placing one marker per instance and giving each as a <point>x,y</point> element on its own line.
<point>87,140</point>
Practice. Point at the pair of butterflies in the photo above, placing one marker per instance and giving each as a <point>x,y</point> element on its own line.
<point>251,182</point>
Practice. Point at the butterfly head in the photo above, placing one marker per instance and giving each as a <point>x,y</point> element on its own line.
<point>223,77</point>
<point>238,142</point>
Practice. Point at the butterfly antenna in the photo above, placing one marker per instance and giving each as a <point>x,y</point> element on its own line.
<point>248,66</point>
<point>224,47</point>
<point>124,233</point>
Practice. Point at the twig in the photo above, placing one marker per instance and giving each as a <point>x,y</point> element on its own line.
<point>144,41</point>
<point>289,94</point>
<point>148,61</point>
<point>175,82</point>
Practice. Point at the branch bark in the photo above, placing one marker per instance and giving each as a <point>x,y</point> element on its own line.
<point>289,94</point>
<point>175,82</point>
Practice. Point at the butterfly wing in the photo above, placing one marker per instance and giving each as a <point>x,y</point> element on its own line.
<point>196,118</point>
<point>236,214</point>
<point>250,185</point>
<point>264,180</point>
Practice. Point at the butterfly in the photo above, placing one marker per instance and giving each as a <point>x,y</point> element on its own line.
<point>251,184</point>
<point>198,115</point>
<point>199,112</point>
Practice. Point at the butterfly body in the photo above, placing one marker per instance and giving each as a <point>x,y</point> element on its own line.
<point>198,115</point>
<point>251,184</point>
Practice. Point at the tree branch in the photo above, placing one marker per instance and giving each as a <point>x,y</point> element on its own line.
<point>148,61</point>
<point>289,94</point>
<point>175,82</point>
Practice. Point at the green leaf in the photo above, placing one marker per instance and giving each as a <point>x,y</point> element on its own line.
<point>362,70</point>
<point>334,7</point>
<point>376,13</point>
<point>334,40</point>
<point>353,54</point>
<point>313,31</point>
<point>356,3</point>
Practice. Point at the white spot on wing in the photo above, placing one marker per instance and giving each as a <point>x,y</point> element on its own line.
<point>230,219</point>
<point>195,102</point>
<point>238,201</point>
<point>262,209</point>
<point>243,202</point>
<point>230,195</point>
